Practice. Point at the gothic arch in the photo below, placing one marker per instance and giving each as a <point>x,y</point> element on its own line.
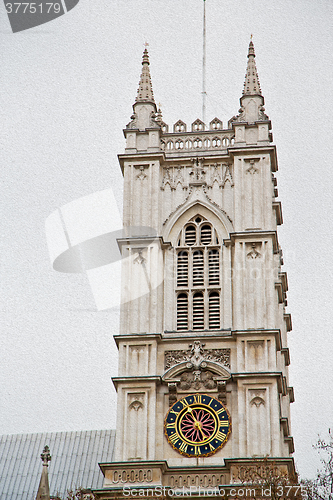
<point>177,370</point>
<point>183,214</point>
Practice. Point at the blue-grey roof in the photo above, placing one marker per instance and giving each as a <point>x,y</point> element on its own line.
<point>75,458</point>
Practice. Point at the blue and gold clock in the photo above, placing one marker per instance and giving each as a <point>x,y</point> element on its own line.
<point>197,425</point>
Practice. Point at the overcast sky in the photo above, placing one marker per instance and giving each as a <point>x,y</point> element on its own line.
<point>67,90</point>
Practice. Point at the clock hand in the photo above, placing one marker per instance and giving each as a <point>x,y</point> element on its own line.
<point>198,426</point>
<point>196,422</point>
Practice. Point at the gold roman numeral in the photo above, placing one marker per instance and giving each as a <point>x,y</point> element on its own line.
<point>224,423</point>
<point>211,447</point>
<point>197,398</point>
<point>220,436</point>
<point>183,447</point>
<point>182,402</point>
<point>221,410</point>
<point>170,426</point>
<point>173,438</point>
<point>196,450</point>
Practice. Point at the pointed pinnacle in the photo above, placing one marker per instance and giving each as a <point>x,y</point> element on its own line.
<point>145,90</point>
<point>251,84</point>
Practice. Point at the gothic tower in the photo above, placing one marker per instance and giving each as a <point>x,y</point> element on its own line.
<point>202,390</point>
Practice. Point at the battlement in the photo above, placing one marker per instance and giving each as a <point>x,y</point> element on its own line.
<point>197,140</point>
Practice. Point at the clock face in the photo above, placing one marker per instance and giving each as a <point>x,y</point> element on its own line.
<point>197,425</point>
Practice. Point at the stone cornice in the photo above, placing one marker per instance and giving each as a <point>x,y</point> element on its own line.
<point>285,352</point>
<point>287,318</point>
<point>278,212</point>
<point>250,235</point>
<point>252,149</point>
<point>281,380</point>
<point>259,331</point>
<point>291,394</point>
<point>142,240</point>
<point>138,379</point>
<point>143,463</point>
<point>188,336</point>
<point>137,336</point>
<point>140,157</point>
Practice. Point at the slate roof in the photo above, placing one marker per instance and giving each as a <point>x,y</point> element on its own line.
<point>75,458</point>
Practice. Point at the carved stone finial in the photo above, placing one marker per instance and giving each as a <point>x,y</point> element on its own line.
<point>45,456</point>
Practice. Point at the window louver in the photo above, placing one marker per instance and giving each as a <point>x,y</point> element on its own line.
<point>198,311</point>
<point>198,281</point>
<point>206,235</point>
<point>182,312</point>
<point>182,269</point>
<point>190,235</point>
<point>213,268</point>
<point>198,268</point>
<point>214,311</point>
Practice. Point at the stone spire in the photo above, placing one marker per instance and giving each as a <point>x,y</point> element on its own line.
<point>251,84</point>
<point>252,109</point>
<point>145,90</point>
<point>44,490</point>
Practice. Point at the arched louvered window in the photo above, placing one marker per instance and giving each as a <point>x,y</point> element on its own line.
<point>213,267</point>
<point>198,311</point>
<point>198,276</point>
<point>198,268</point>
<point>214,310</point>
<point>182,269</point>
<point>182,312</point>
<point>190,235</point>
<point>205,235</point>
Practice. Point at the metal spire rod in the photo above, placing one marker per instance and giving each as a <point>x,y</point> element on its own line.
<point>204,93</point>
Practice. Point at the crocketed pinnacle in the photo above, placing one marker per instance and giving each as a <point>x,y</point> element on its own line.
<point>251,84</point>
<point>43,492</point>
<point>145,90</point>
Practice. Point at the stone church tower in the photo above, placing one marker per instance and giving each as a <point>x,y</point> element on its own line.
<point>203,385</point>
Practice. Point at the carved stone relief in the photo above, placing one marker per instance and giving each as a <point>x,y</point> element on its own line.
<point>134,421</point>
<point>173,176</point>
<point>195,374</point>
<point>258,424</point>
<point>198,172</point>
<point>256,394</point>
<point>202,480</point>
<point>262,114</point>
<point>240,117</point>
<point>141,174</point>
<point>253,254</point>
<point>196,380</point>
<point>252,169</point>
<point>139,259</point>
<point>227,176</point>
<point>215,176</point>
<point>195,355</point>
<point>222,391</point>
<point>133,124</point>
